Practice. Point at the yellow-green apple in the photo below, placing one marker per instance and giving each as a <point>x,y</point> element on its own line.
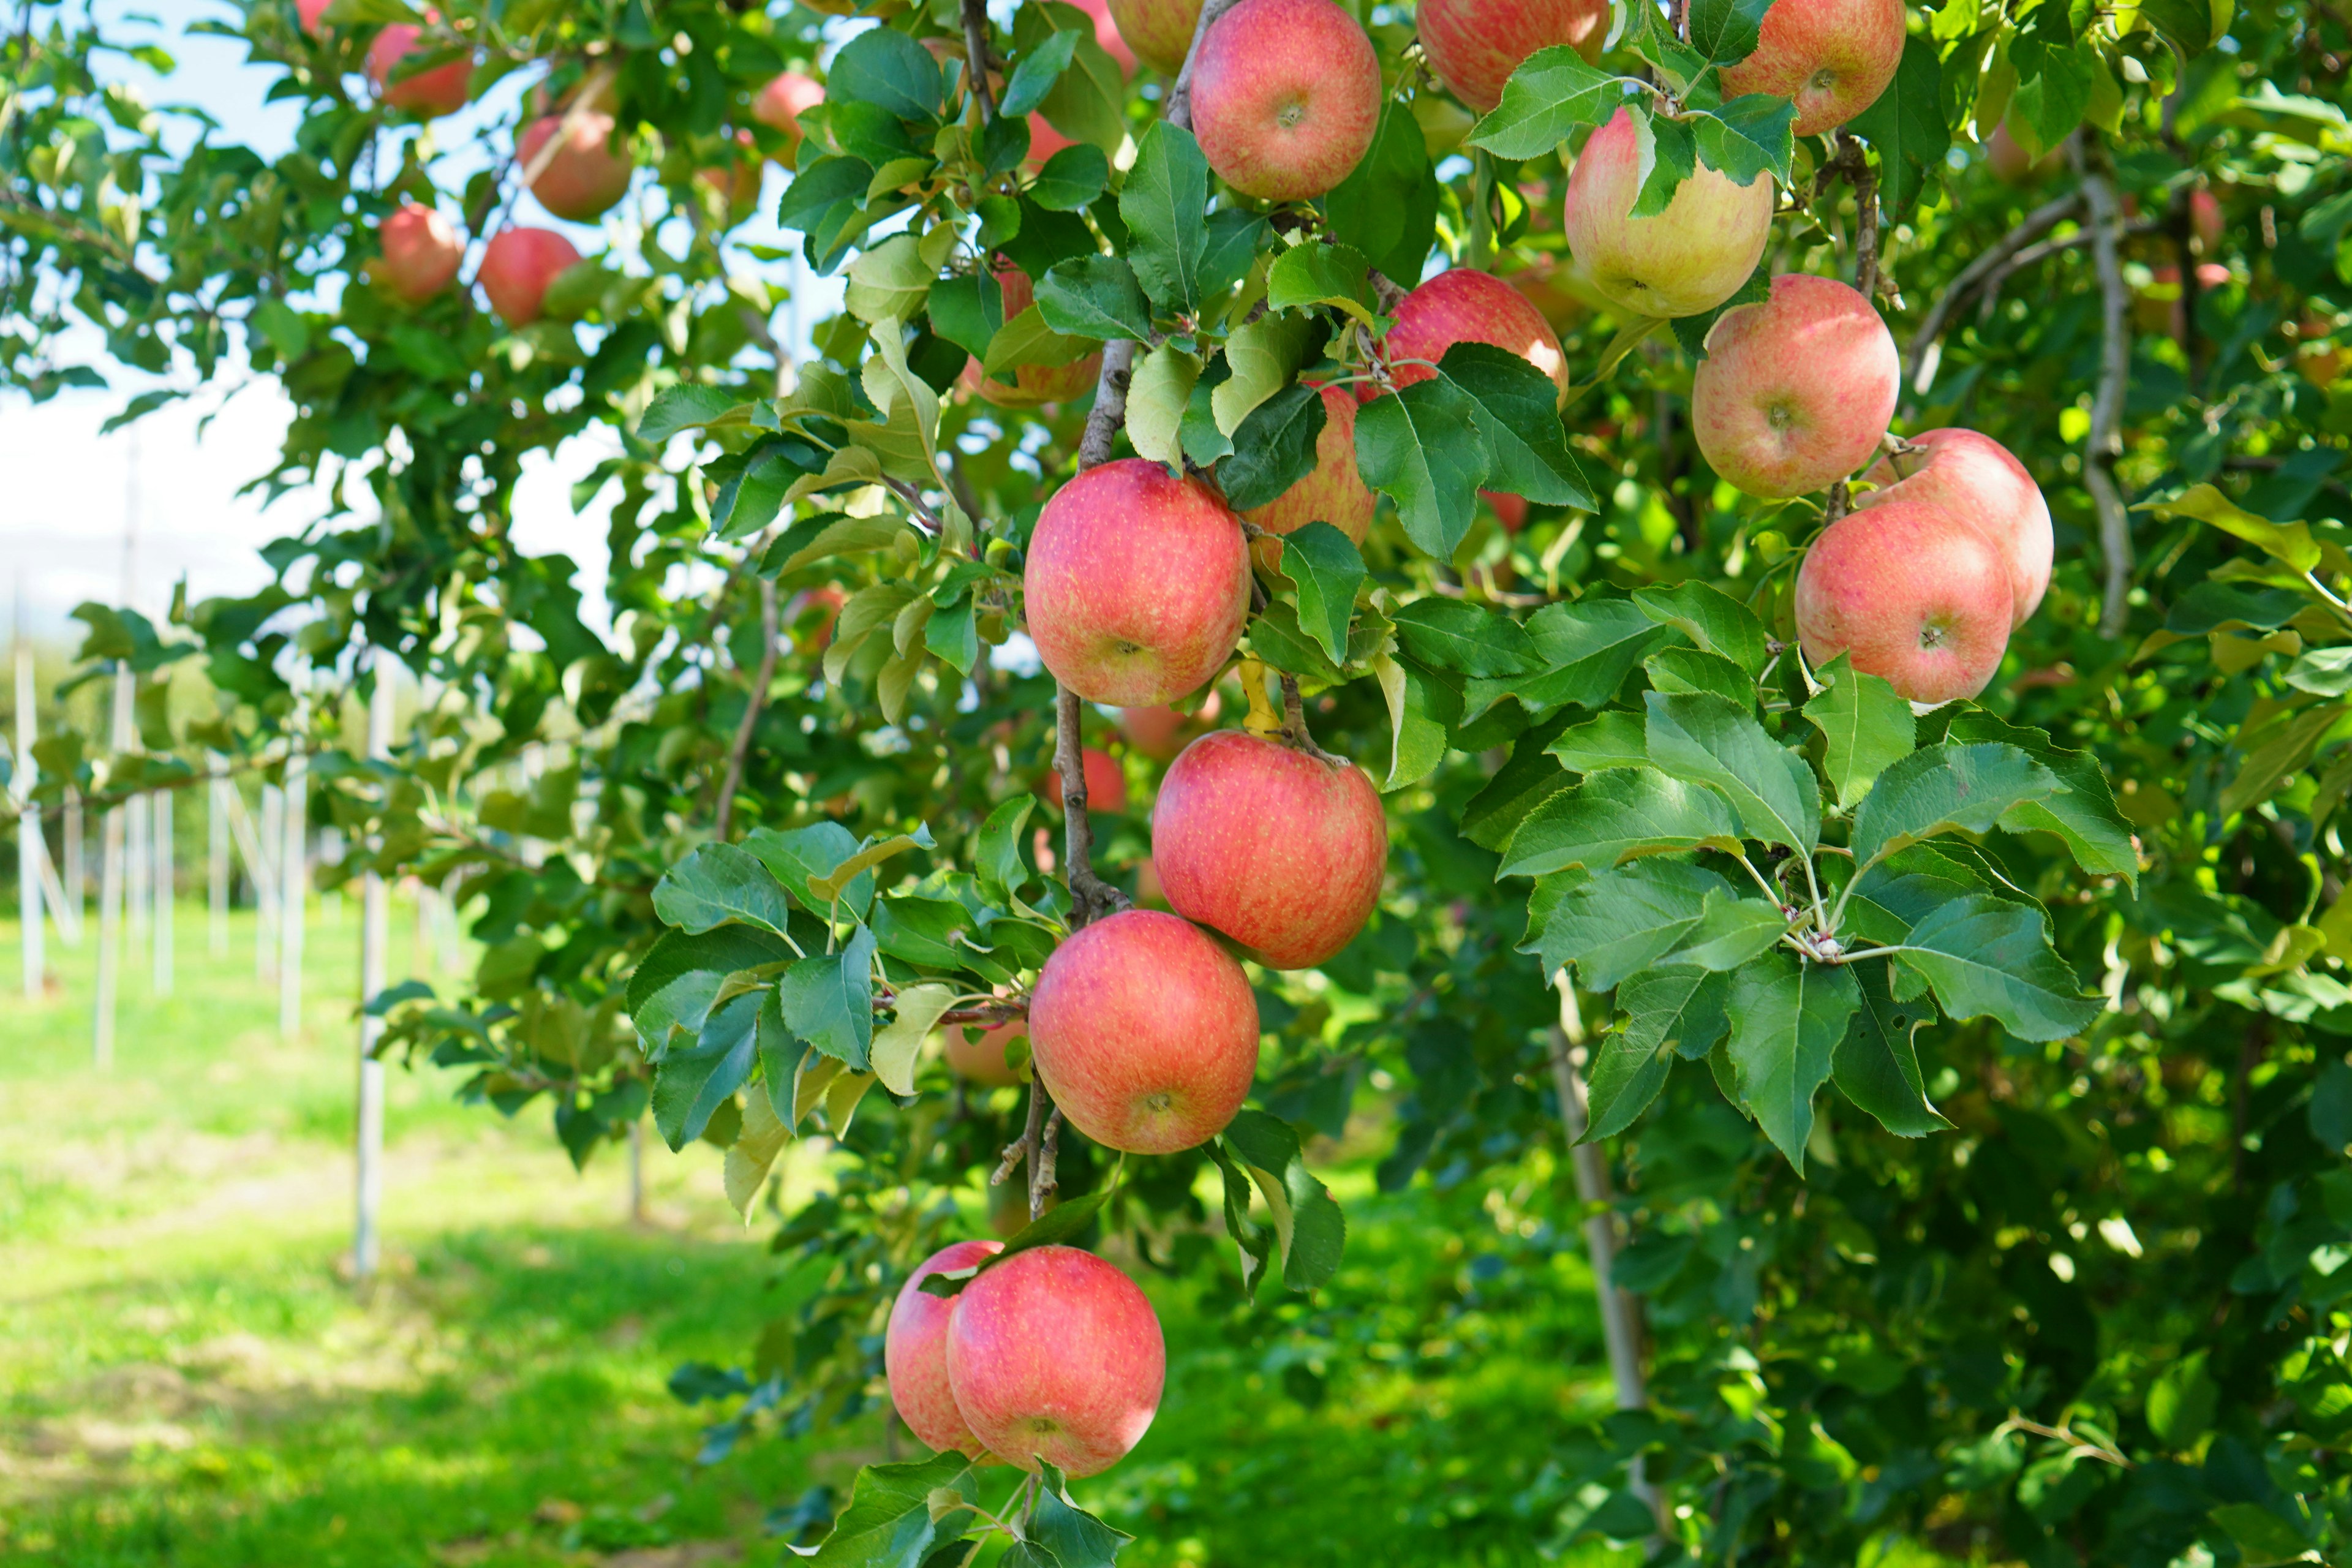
<point>1159,31</point>
<point>1833,57</point>
<point>1467,306</point>
<point>1137,583</point>
<point>780,106</point>
<point>311,14</point>
<point>586,173</point>
<point>1474,45</point>
<point>1685,261</point>
<point>1145,1031</point>
<point>982,1061</point>
<point>1332,491</point>
<point>1976,479</point>
<point>1286,96</point>
<point>1914,594</point>
<point>1032,385</point>
<point>1055,1354</point>
<point>421,252</point>
<point>1105,783</point>
<point>915,1352</point>
<point>517,267</point>
<point>1280,850</point>
<point>1160,732</point>
<point>444,90</point>
<point>1796,392</point>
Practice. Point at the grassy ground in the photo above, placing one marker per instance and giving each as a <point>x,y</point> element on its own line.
<point>187,1377</point>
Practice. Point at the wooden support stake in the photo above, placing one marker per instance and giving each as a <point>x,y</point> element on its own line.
<point>376,940</point>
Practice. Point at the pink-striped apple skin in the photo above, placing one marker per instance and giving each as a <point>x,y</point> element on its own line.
<point>1280,850</point>
<point>1159,31</point>
<point>1286,96</point>
<point>1146,1033</point>
<point>1109,34</point>
<point>1467,306</point>
<point>1032,385</point>
<point>1795,392</point>
<point>311,14</point>
<point>444,90</point>
<point>1975,478</point>
<point>780,104</point>
<point>1914,594</point>
<point>982,1061</point>
<point>1474,45</point>
<point>1332,492</point>
<point>1137,583</point>
<point>585,176</point>
<point>1685,261</point>
<point>915,1352</point>
<point>1105,783</point>
<point>421,252</point>
<point>1160,732</point>
<point>517,267</point>
<point>1055,1354</point>
<point>1832,58</point>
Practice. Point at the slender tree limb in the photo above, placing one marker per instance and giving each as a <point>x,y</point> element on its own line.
<point>2035,224</point>
<point>1044,1176</point>
<point>1179,109</point>
<point>1109,412</point>
<point>1091,897</point>
<point>975,56</point>
<point>2106,442</point>
<point>742,749</point>
<point>1294,723</point>
<point>1865,206</point>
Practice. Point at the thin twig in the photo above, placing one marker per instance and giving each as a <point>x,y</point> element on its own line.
<point>2105,443</point>
<point>975,55</point>
<point>1091,897</point>
<point>1044,1179</point>
<point>2035,224</point>
<point>1865,206</point>
<point>1180,96</point>
<point>1294,723</point>
<point>742,749</point>
<point>1109,412</point>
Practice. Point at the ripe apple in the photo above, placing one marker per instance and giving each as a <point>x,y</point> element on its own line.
<point>1108,35</point>
<point>1286,96</point>
<point>421,252</point>
<point>1332,492</point>
<point>824,601</point>
<point>517,267</point>
<point>444,90</point>
<point>1474,45</point>
<point>1033,385</point>
<point>1159,31</point>
<point>1914,593</point>
<point>2009,163</point>
<point>1278,849</point>
<point>1686,261</point>
<point>1467,306</point>
<point>2205,217</point>
<point>1145,1031</point>
<point>915,1352</point>
<point>1795,392</point>
<point>1105,783</point>
<point>311,14</point>
<point>1160,732</point>
<point>586,175</point>
<point>1510,511</point>
<point>2162,307</point>
<point>1833,57</point>
<point>1055,1354</point>
<point>780,106</point>
<point>982,1061</point>
<point>1137,583</point>
<point>1976,479</point>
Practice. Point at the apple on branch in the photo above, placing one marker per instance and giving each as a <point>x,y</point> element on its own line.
<point>1831,58</point>
<point>518,265</point>
<point>1795,392</point>
<point>1474,45</point>
<point>1286,96</point>
<point>1915,594</point>
<point>1160,732</point>
<point>1685,261</point>
<point>444,90</point>
<point>1467,306</point>
<point>1158,31</point>
<point>584,177</point>
<point>421,252</point>
<point>915,1353</point>
<point>982,1061</point>
<point>780,106</point>
<point>1105,783</point>
<point>1333,491</point>
<point>1976,479</point>
<point>1055,1354</point>
<point>1032,385</point>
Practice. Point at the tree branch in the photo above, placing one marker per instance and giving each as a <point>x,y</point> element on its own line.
<point>1091,897</point>
<point>742,749</point>
<point>2036,224</point>
<point>975,55</point>
<point>1865,207</point>
<point>2106,442</point>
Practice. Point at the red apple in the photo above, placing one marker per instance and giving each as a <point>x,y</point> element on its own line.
<point>1105,783</point>
<point>1510,511</point>
<point>1546,283</point>
<point>2205,217</point>
<point>1685,261</point>
<point>1833,58</point>
<point>1055,1354</point>
<point>1160,732</point>
<point>1107,33</point>
<point>311,14</point>
<point>1286,96</point>
<point>982,1061</point>
<point>1145,1032</point>
<point>517,267</point>
<point>1278,849</point>
<point>586,175</point>
<point>1333,493</point>
<point>1033,385</point>
<point>1159,31</point>
<point>1466,306</point>
<point>780,104</point>
<point>1975,479</point>
<point>1795,392</point>
<point>1474,45</point>
<point>1914,594</point>
<point>444,90</point>
<point>915,1352</point>
<point>1138,583</point>
<point>2010,165</point>
<point>421,252</point>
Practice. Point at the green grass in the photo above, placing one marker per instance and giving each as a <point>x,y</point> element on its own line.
<point>188,1376</point>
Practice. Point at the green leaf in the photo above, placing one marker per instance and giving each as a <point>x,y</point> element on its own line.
<point>1729,930</point>
<point>1063,1535</point>
<point>1274,448</point>
<point>1711,618</point>
<point>1748,137</point>
<point>1787,1017</point>
<point>1726,31</point>
<point>1423,446</point>
<point>1615,739</point>
<point>1158,395</point>
<point>1866,727</point>
<point>804,854</point>
<point>1944,788</point>
<point>1699,737</point>
<point>827,999</point>
<point>2082,814</point>
<point>1327,570</point>
<point>2323,671</point>
<point>1317,273</point>
<point>1665,1012</point>
<point>996,850</point>
<point>2263,1539</point>
<point>1529,778</point>
<point>1387,207</point>
<point>1552,94</point>
<point>1676,670</point>
<point>1517,408</point>
<point>1907,125</point>
<point>1616,924</point>
<point>1165,206</point>
<point>888,69</point>
<point>889,282</point>
<point>1669,149</point>
<point>1615,817</point>
<point>690,1084</point>
<point>1027,339</point>
<point>1310,1231</point>
<point>1035,73</point>
<point>1236,236</point>
<point>2182,1403</point>
<point>1095,296</point>
<point>1875,1065</point>
<point>1417,727</point>
<point>691,408</point>
<point>1988,958</point>
<point>1585,650</point>
<point>2276,749</point>
<point>1071,179</point>
<point>1454,633</point>
<point>2053,79</point>
<point>717,885</point>
<point>835,882</point>
<point>894,1518</point>
<point>1263,356</point>
<point>673,987</point>
<point>2289,543</point>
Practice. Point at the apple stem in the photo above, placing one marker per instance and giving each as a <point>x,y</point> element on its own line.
<point>1294,723</point>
